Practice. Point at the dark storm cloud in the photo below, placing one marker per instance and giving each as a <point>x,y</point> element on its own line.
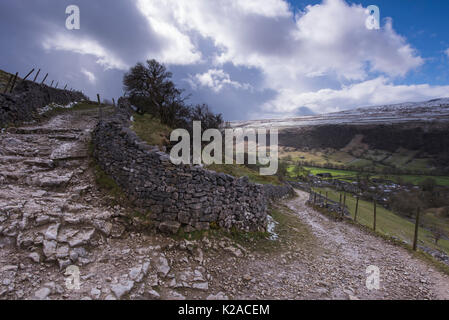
<point>117,25</point>
<point>120,28</point>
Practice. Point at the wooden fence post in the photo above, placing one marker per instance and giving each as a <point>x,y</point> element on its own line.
<point>45,78</point>
<point>356,208</point>
<point>375,215</point>
<point>14,82</point>
<point>29,73</point>
<point>340,202</point>
<point>100,112</point>
<point>37,74</point>
<point>7,85</point>
<point>415,239</point>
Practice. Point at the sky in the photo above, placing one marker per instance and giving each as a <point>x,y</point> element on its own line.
<point>247,59</point>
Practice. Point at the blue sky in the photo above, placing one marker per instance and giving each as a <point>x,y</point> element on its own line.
<point>247,59</point>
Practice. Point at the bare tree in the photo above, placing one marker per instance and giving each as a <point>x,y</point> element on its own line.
<point>209,120</point>
<point>150,88</point>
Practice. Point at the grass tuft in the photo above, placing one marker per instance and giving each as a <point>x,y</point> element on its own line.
<point>151,130</point>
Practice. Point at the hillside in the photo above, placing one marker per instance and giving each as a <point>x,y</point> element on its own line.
<point>412,137</point>
<point>426,111</point>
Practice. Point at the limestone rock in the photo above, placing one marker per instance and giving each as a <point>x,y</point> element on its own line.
<point>161,265</point>
<point>52,232</point>
<point>153,295</point>
<point>95,293</point>
<point>173,295</point>
<point>204,286</point>
<point>34,256</point>
<point>42,293</point>
<point>171,227</point>
<point>122,289</point>
<point>50,249</point>
<point>218,296</point>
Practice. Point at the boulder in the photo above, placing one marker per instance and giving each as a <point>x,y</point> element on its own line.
<point>171,227</point>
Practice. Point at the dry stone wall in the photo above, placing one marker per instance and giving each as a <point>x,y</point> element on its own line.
<point>28,97</point>
<point>176,195</point>
<point>274,193</point>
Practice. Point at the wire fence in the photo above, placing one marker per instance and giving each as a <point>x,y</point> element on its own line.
<point>14,80</point>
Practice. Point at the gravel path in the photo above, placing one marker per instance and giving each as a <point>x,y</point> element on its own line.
<point>350,251</point>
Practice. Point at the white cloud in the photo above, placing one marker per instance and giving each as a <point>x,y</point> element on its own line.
<point>65,42</point>
<point>332,38</point>
<point>377,91</point>
<point>216,79</point>
<point>323,58</point>
<point>447,52</point>
<point>89,75</point>
<point>328,41</point>
<point>327,38</point>
<point>178,48</point>
<point>267,8</point>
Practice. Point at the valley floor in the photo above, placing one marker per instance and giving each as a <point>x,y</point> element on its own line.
<point>53,216</point>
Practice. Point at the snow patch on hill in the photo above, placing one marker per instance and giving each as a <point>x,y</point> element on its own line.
<point>433,110</point>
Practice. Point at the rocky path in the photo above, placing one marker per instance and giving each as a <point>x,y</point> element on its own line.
<point>57,226</point>
<point>350,250</point>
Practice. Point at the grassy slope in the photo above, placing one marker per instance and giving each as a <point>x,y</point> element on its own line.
<point>388,223</point>
<point>349,175</point>
<point>151,130</point>
<point>361,158</point>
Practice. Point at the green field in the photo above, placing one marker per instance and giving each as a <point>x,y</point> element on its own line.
<point>356,156</point>
<point>388,223</point>
<point>416,180</point>
<point>351,175</point>
<point>336,174</point>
